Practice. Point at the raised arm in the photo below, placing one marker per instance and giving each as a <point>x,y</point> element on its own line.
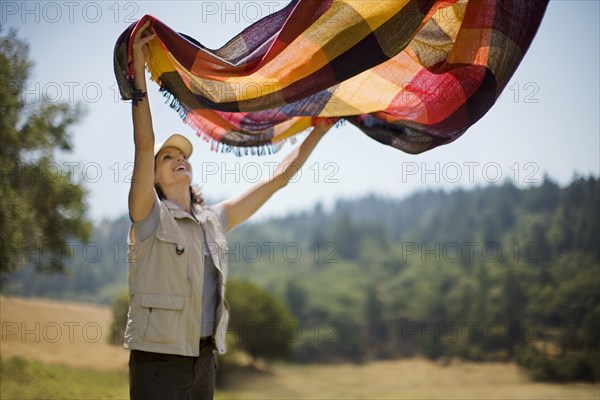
<point>141,194</point>
<point>241,208</point>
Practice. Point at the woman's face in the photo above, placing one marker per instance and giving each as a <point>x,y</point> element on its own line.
<point>171,167</point>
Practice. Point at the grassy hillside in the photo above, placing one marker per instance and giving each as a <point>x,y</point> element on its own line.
<point>59,332</point>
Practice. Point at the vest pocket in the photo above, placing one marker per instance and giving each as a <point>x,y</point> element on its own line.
<point>169,270</point>
<point>164,317</point>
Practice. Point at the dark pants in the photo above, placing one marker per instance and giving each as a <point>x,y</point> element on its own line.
<point>171,377</point>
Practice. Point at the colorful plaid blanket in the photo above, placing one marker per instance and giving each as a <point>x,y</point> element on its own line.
<point>412,74</point>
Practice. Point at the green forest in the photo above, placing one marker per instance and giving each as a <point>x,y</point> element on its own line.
<point>496,273</point>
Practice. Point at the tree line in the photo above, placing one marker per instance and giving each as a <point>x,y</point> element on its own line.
<point>497,273</point>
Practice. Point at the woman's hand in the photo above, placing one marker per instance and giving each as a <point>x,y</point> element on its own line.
<point>322,126</point>
<point>292,163</point>
<point>140,46</point>
<point>242,207</point>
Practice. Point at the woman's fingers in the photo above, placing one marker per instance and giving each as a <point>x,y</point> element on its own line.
<point>140,44</point>
<point>146,39</point>
<point>143,36</point>
<point>142,29</point>
<point>323,125</point>
<point>320,129</point>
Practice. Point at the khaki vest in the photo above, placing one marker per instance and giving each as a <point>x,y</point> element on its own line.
<point>166,276</point>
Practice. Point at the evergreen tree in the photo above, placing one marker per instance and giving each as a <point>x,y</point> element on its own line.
<point>377,334</point>
<point>42,207</point>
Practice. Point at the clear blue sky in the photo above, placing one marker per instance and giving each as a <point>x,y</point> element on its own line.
<point>546,121</point>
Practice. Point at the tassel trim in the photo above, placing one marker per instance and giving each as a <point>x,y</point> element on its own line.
<point>215,145</point>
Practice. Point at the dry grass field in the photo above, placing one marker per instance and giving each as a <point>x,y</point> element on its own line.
<point>59,332</point>
<point>75,335</point>
<point>404,379</point>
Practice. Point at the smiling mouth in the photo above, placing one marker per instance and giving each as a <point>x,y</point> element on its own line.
<point>181,168</point>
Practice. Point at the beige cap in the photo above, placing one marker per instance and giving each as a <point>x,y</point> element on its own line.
<point>178,141</point>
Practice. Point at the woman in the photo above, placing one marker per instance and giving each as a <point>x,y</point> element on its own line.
<point>178,266</point>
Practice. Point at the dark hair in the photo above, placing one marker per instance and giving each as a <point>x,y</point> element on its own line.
<point>195,194</point>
